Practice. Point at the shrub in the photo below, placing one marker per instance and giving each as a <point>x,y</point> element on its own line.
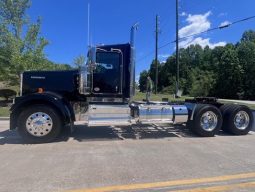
<point>7,93</point>
<point>168,90</point>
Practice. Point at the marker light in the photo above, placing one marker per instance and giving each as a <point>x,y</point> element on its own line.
<point>40,90</point>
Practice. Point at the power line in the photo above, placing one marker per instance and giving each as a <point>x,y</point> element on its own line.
<point>242,20</point>
<point>206,31</point>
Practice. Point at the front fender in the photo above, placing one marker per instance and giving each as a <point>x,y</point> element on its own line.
<point>55,100</point>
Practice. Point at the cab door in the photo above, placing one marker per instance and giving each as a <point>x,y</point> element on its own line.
<point>107,75</point>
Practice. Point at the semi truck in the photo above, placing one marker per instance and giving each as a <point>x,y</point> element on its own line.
<point>101,94</point>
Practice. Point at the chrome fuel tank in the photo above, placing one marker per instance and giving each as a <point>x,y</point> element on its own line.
<point>155,113</point>
<point>162,113</point>
<point>180,114</point>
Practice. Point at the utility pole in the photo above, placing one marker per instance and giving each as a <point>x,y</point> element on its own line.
<point>177,47</point>
<point>156,55</point>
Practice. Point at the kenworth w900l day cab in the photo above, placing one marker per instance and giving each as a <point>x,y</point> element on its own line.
<point>100,94</point>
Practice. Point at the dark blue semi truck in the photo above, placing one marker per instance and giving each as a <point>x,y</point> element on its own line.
<point>101,94</point>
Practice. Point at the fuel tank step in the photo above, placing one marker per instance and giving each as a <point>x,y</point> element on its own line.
<point>109,115</point>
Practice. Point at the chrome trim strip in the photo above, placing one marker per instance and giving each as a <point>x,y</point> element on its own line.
<point>104,99</point>
<point>155,122</point>
<point>121,68</point>
<point>21,84</point>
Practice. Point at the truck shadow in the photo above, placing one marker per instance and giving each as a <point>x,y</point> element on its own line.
<point>90,134</point>
<point>83,133</point>
<point>134,132</point>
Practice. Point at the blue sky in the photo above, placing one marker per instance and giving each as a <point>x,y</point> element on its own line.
<point>64,24</point>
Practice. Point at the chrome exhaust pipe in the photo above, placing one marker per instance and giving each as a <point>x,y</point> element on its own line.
<point>132,60</point>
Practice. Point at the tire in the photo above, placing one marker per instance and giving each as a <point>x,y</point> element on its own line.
<point>230,121</point>
<point>206,115</point>
<point>224,109</point>
<point>39,124</point>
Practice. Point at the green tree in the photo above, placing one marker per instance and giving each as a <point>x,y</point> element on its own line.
<point>230,73</point>
<point>248,36</point>
<point>246,55</point>
<point>79,61</point>
<point>167,76</point>
<point>143,80</point>
<point>202,83</point>
<point>13,15</point>
<point>21,45</point>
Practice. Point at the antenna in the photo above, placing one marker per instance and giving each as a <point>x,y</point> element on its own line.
<point>88,25</point>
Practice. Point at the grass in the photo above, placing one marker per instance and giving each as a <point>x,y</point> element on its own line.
<point>140,96</point>
<point>4,111</point>
<point>251,106</point>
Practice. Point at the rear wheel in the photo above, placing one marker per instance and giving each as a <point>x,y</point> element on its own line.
<point>237,120</point>
<point>224,109</point>
<point>39,124</point>
<point>207,121</point>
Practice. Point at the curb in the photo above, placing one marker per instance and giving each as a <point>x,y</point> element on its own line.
<point>4,118</point>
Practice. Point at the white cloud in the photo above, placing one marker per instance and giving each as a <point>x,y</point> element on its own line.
<point>197,24</point>
<point>200,41</point>
<point>163,56</point>
<point>225,23</point>
<point>137,77</point>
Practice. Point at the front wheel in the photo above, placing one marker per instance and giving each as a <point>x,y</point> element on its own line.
<point>39,124</point>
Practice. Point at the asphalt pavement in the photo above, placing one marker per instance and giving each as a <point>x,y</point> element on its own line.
<point>138,158</point>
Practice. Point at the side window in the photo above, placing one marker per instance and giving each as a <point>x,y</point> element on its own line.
<point>106,62</point>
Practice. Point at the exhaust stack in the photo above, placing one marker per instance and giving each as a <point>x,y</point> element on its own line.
<point>132,60</point>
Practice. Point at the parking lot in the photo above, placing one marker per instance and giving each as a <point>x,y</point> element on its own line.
<point>138,158</point>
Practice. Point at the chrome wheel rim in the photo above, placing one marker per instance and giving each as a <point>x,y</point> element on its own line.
<point>209,121</point>
<point>242,120</point>
<point>39,124</point>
